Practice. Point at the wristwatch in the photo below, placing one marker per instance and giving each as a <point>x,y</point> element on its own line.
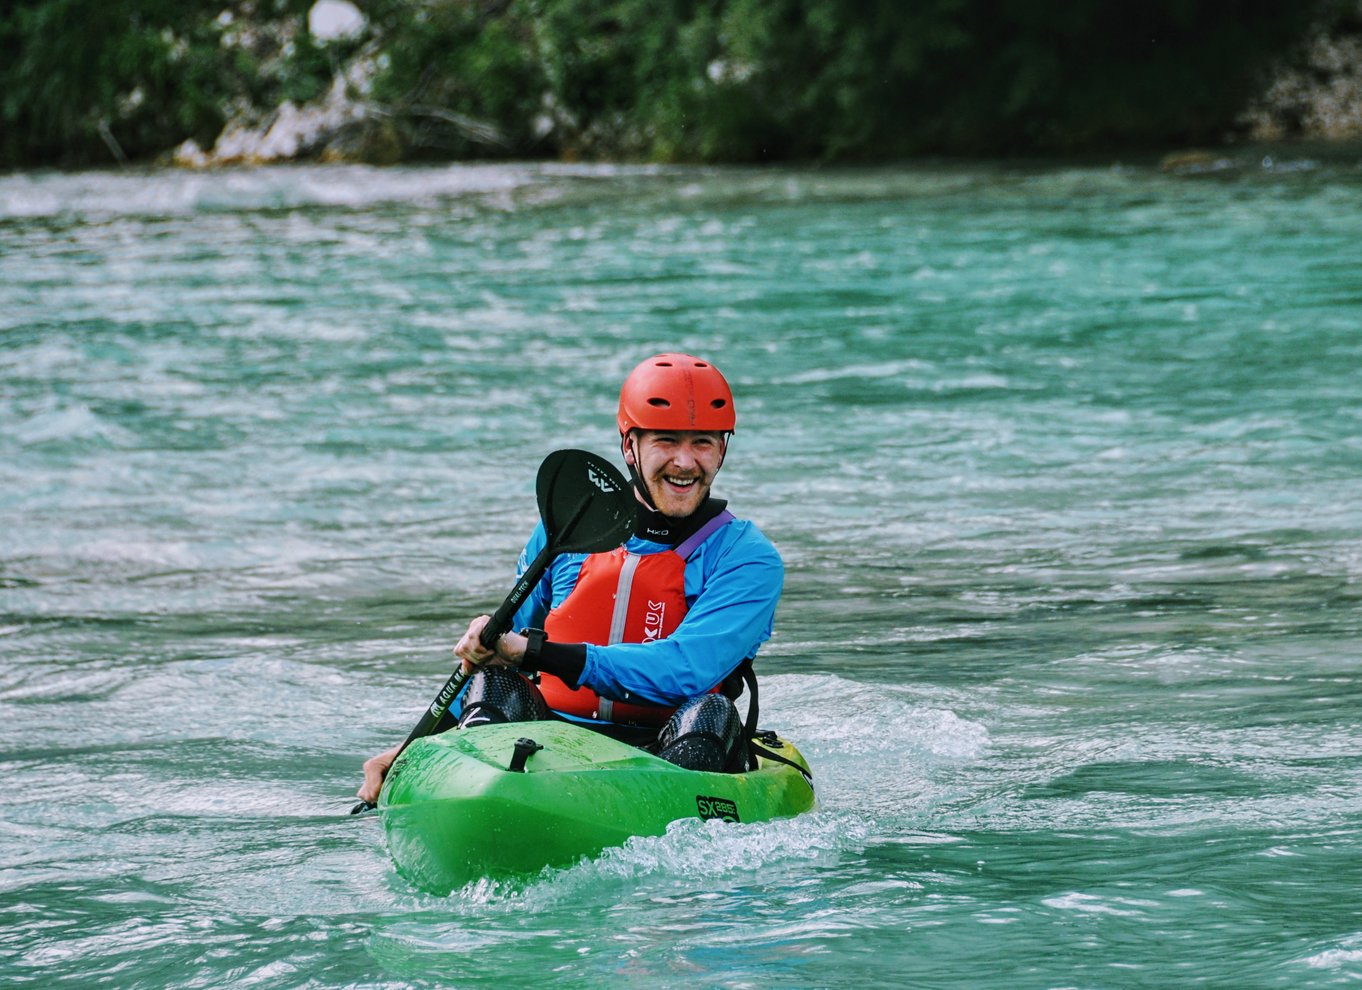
<point>533,648</point>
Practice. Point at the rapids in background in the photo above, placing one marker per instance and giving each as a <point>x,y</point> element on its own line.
<point>1064,463</point>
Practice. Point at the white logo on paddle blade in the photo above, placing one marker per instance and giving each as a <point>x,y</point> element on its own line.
<point>599,480</point>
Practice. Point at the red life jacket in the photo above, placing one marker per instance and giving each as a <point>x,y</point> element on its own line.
<point>622,597</point>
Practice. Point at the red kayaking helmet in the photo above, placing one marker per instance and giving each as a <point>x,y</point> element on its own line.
<point>676,392</point>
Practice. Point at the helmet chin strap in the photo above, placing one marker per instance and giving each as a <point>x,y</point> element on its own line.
<point>628,445</point>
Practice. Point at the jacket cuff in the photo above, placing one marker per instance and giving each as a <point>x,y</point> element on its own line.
<point>563,660</point>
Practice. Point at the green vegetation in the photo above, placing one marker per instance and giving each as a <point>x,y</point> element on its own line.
<point>89,81</point>
<point>706,80</point>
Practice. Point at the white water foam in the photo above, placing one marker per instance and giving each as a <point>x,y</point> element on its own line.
<point>95,196</point>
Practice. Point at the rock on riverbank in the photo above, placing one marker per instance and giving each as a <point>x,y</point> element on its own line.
<point>342,124</point>
<point>1319,98</point>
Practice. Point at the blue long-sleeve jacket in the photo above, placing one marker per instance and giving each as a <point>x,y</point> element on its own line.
<point>732,585</point>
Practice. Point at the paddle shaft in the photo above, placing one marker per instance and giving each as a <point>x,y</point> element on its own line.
<point>496,627</point>
<point>500,622</point>
<point>430,718</point>
<point>586,507</point>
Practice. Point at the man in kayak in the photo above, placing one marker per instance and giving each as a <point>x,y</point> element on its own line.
<point>647,642</point>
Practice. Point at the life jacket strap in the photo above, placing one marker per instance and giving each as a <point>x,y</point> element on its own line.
<point>690,544</point>
<point>623,589</point>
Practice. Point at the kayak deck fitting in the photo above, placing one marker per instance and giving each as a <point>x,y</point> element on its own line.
<point>471,803</point>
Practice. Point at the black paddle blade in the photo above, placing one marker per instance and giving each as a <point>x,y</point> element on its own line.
<point>585,503</point>
<point>586,506</point>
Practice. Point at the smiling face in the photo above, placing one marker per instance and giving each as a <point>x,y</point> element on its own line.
<point>677,467</point>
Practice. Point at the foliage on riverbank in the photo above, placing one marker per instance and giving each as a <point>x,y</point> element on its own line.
<point>86,81</point>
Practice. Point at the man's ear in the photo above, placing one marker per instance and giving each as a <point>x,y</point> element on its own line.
<point>627,449</point>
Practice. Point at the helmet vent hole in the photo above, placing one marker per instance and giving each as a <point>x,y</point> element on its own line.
<point>659,403</point>
<point>718,404</point>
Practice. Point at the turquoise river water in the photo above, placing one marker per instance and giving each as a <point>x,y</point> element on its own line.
<point>1064,463</point>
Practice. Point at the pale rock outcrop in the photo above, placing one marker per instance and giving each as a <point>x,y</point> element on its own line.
<point>1319,98</point>
<point>341,124</point>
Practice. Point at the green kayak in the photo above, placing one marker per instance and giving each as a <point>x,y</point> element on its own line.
<point>507,800</point>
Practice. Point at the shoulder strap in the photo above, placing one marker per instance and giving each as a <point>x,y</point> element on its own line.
<point>690,544</point>
<point>749,728</point>
<point>755,737</point>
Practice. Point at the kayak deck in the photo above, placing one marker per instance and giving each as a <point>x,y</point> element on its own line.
<point>453,810</point>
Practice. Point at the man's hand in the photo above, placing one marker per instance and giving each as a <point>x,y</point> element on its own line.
<point>375,769</point>
<point>510,652</point>
<point>510,649</point>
